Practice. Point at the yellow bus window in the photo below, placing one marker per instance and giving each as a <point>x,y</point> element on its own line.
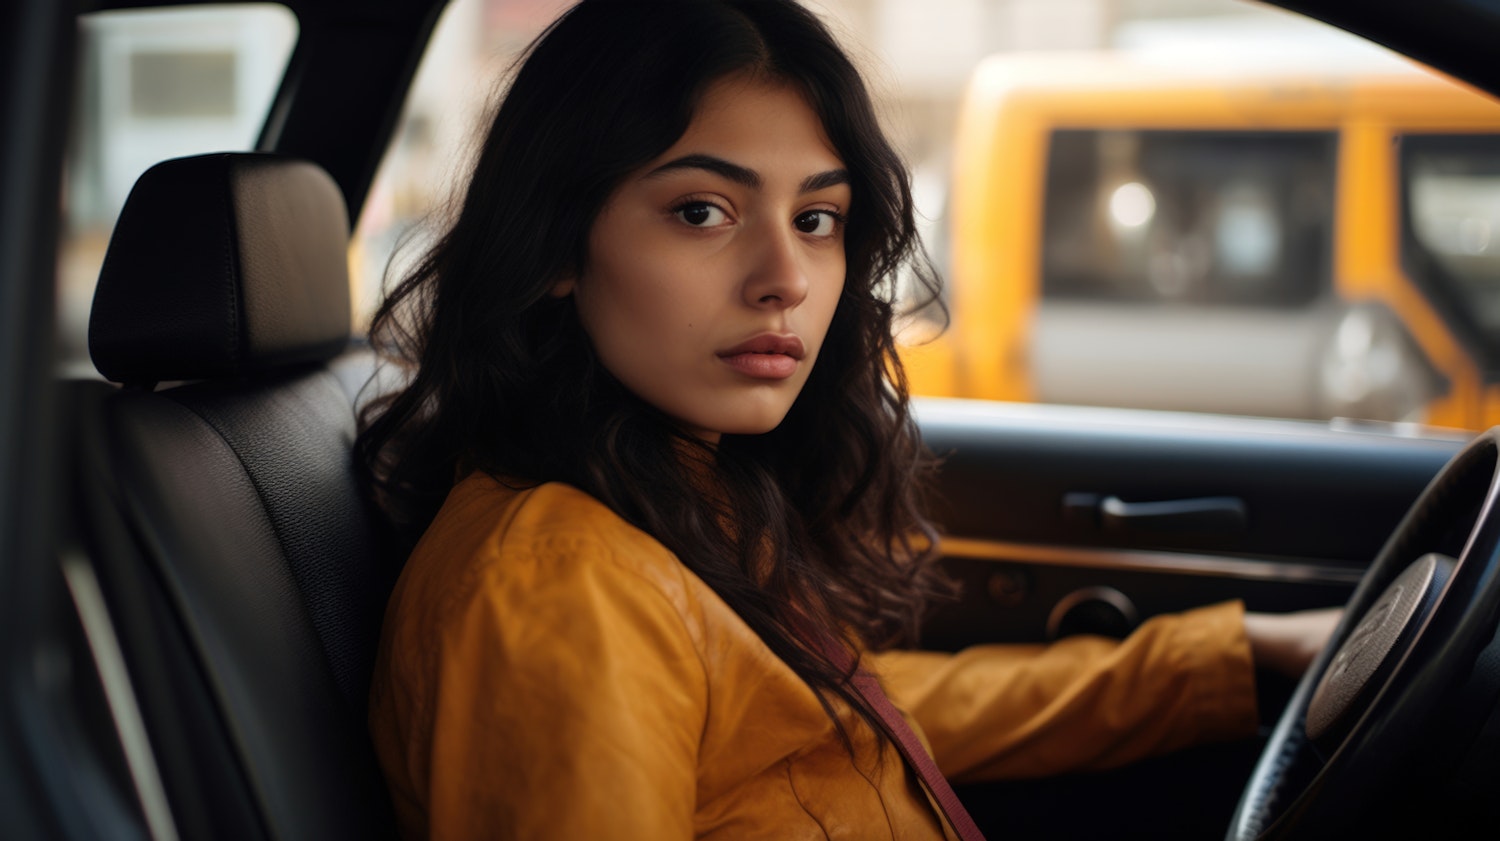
<point>1237,218</point>
<point>1453,233</point>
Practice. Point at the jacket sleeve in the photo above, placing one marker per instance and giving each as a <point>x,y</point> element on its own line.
<point>995,712</point>
<point>580,719</point>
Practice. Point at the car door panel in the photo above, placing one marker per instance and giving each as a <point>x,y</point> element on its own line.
<point>1047,509</point>
<point>1282,515</point>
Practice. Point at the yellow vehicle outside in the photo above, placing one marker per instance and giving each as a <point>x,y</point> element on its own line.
<point>1368,130</point>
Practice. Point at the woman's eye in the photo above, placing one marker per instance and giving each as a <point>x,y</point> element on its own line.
<point>818,223</point>
<point>701,215</point>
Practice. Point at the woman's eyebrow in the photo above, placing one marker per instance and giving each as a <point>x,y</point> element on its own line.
<point>734,172</point>
<point>748,177</point>
<point>824,180</point>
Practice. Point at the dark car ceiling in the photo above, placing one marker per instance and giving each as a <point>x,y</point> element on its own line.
<point>1457,37</point>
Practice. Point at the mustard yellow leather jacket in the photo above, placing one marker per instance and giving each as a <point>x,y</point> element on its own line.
<point>548,671</point>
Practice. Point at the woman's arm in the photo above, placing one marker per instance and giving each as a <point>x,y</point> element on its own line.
<point>1083,703</point>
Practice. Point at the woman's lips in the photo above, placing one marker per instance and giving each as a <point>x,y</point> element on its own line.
<point>763,366</point>
<point>769,356</point>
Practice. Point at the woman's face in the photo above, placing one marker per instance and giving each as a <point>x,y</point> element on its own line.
<point>714,270</point>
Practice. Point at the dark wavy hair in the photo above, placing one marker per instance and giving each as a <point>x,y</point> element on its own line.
<point>813,532</point>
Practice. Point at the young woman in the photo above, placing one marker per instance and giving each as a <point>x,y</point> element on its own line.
<point>655,442</point>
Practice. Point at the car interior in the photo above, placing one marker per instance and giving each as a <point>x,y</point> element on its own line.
<point>230,504</point>
<point>192,580</point>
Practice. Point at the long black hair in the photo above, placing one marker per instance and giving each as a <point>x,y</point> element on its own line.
<point>812,532</point>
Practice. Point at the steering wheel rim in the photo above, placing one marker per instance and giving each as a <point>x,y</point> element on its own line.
<point>1392,735</point>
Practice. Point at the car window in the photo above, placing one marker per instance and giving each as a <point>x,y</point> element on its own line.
<point>155,84</point>
<point>1174,205</point>
<point>474,44</point>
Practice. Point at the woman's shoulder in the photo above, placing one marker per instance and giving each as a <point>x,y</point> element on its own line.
<point>494,532</point>
<point>519,512</point>
<point>517,572</point>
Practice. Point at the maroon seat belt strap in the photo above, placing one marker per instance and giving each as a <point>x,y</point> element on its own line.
<point>910,746</point>
<point>917,756</point>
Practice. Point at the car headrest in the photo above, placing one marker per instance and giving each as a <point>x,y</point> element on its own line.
<point>223,265</point>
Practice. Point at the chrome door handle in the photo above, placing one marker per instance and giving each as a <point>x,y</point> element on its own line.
<point>1219,514</point>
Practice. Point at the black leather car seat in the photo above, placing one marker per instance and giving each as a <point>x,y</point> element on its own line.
<point>243,569</point>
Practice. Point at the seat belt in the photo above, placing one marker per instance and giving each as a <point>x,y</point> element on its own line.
<point>910,746</point>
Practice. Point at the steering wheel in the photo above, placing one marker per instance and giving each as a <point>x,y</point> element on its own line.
<point>1392,731</point>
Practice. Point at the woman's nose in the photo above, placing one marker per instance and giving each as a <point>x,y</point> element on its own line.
<point>776,276</point>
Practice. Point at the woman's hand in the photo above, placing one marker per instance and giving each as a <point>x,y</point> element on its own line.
<point>1288,642</point>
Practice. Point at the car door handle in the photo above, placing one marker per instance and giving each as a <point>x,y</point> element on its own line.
<point>1203,514</point>
<point>1215,514</point>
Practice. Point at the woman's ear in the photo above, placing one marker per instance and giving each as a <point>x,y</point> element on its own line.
<point>563,287</point>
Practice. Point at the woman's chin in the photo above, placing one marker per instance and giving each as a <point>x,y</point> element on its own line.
<point>746,423</point>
